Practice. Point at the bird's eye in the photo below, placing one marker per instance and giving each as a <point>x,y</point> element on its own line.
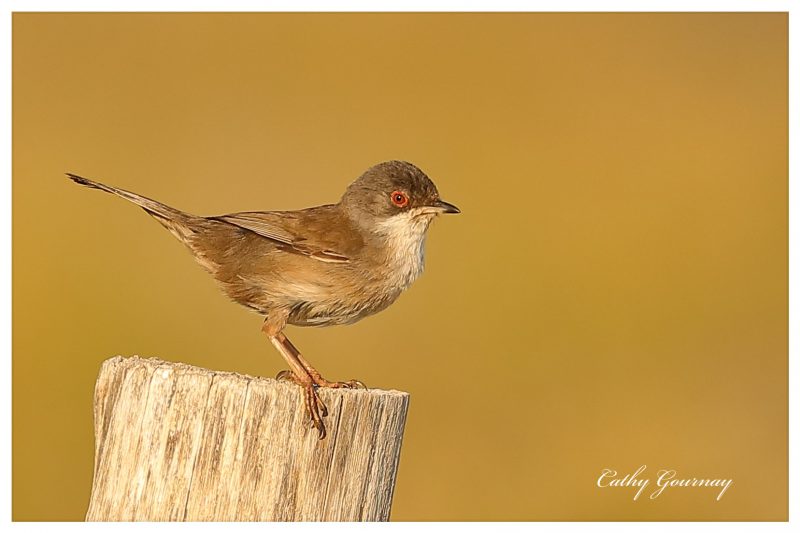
<point>399,199</point>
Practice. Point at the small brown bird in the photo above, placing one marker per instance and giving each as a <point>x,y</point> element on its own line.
<point>321,266</point>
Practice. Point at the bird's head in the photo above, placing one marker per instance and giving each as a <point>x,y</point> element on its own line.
<point>395,197</point>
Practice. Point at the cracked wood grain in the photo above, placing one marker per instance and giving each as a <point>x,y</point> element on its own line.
<point>175,442</point>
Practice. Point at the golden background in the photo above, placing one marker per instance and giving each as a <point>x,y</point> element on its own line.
<point>614,293</point>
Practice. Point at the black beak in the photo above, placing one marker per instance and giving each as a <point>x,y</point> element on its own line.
<point>446,207</point>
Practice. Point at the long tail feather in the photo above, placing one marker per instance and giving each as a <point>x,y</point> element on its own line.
<point>177,222</point>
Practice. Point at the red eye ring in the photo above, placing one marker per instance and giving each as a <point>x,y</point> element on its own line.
<point>399,198</point>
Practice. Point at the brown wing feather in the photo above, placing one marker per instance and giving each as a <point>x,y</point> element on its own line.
<point>283,228</point>
<point>265,224</point>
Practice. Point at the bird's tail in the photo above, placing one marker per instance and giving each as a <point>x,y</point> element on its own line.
<point>177,222</point>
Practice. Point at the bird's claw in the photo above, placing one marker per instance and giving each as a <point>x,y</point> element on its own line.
<point>315,407</point>
<point>350,384</point>
<point>353,384</point>
<point>287,375</point>
<point>319,381</point>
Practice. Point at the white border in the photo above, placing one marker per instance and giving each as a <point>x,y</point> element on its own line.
<point>401,5</point>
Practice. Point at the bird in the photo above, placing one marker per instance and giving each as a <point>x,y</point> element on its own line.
<point>321,266</point>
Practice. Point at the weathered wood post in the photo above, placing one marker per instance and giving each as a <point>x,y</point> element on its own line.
<point>177,442</point>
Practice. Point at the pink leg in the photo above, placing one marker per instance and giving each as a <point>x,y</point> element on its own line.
<point>315,407</point>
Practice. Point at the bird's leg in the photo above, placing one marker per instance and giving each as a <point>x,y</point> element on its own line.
<point>315,407</point>
<point>315,375</point>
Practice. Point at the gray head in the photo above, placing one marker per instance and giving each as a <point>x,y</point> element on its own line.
<point>391,189</point>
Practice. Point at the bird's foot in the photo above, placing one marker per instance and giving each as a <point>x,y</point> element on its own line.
<point>319,381</point>
<point>322,382</point>
<point>315,407</point>
<point>288,375</point>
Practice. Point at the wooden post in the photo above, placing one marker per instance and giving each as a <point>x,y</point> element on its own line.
<point>177,442</point>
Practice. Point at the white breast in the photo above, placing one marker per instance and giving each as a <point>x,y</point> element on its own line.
<point>404,235</point>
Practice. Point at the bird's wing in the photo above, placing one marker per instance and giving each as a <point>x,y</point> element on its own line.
<point>282,227</point>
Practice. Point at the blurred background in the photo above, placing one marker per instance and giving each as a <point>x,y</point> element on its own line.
<point>613,295</point>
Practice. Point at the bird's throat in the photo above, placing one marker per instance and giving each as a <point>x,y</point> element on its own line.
<point>403,236</point>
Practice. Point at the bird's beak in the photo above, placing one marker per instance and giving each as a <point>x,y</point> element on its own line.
<point>444,207</point>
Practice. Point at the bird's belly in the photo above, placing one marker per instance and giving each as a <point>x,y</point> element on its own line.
<point>338,294</point>
<point>347,304</point>
<point>341,310</point>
